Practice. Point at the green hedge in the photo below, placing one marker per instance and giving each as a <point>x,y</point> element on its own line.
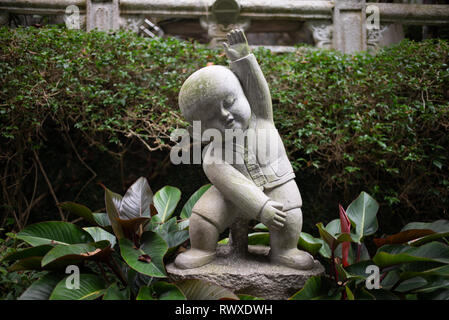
<point>363,122</point>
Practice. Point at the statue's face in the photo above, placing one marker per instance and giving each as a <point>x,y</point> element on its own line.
<point>225,106</point>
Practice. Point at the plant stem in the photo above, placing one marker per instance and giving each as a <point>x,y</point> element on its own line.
<point>115,268</point>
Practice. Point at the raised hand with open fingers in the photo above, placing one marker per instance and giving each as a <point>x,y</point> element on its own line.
<point>237,46</point>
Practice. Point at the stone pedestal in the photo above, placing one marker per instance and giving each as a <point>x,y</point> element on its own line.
<point>252,274</point>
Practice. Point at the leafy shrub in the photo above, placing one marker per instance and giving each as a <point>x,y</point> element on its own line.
<point>350,123</point>
<point>13,284</point>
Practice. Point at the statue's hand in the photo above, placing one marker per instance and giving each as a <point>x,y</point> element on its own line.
<point>237,46</point>
<point>272,216</point>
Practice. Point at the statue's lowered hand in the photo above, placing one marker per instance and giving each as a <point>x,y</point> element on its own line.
<point>237,46</point>
<point>272,215</point>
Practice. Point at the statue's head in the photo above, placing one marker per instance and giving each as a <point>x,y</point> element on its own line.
<point>214,96</point>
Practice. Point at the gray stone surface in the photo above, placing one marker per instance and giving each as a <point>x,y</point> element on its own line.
<point>253,275</point>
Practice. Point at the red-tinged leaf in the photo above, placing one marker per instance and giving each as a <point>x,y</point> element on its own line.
<point>403,237</point>
<point>345,225</point>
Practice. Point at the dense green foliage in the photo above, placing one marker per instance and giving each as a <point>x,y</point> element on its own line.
<point>365,122</point>
<point>121,257</point>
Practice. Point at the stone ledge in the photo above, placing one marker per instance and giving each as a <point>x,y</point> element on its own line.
<point>253,275</point>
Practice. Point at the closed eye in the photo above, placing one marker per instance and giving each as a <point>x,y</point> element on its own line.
<point>228,102</point>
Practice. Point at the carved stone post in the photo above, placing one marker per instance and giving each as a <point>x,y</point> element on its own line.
<point>223,18</point>
<point>103,15</point>
<point>349,29</point>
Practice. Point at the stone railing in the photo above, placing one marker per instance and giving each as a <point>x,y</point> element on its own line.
<point>345,25</point>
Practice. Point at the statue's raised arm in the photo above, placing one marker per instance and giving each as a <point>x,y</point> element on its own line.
<point>245,66</point>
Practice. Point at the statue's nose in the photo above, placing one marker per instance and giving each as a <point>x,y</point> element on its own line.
<point>227,116</point>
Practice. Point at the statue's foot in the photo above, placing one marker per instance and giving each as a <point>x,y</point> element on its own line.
<point>194,258</point>
<point>294,258</point>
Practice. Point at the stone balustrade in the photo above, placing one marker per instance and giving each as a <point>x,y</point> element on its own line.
<point>345,25</point>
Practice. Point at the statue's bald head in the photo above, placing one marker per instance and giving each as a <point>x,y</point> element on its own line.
<point>202,89</point>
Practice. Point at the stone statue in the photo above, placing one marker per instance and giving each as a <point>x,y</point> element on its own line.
<point>261,185</point>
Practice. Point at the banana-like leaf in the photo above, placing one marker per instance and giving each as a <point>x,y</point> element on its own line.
<point>75,253</point>
<point>78,209</point>
<point>30,263</point>
<point>98,234</point>
<point>148,259</point>
<point>438,226</point>
<point>171,234</point>
<point>137,200</point>
<point>101,219</point>
<point>113,201</point>
<point>403,237</point>
<point>203,290</point>
<point>186,211</point>
<point>90,287</point>
<point>390,255</point>
<point>331,240</point>
<point>130,226</point>
<point>113,292</point>
<point>161,290</point>
<point>316,288</point>
<point>309,243</point>
<point>165,201</point>
<point>362,213</point>
<point>54,232</point>
<point>42,288</point>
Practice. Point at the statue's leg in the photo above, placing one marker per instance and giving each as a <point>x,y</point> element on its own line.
<point>210,216</point>
<point>284,242</point>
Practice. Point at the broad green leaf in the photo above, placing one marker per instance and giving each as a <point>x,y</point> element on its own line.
<point>153,247</point>
<point>145,293</point>
<point>429,238</point>
<point>137,200</point>
<point>349,293</point>
<point>53,232</point>
<point>165,201</point>
<point>439,226</point>
<point>186,211</point>
<point>402,237</point>
<point>260,227</point>
<point>256,238</point>
<point>102,219</point>
<point>113,292</point>
<point>203,290</point>
<point>38,251</point>
<point>42,288</point>
<point>332,241</point>
<point>170,233</point>
<point>309,243</point>
<point>98,234</point>
<point>316,288</point>
<point>113,201</point>
<point>79,209</point>
<point>394,254</point>
<point>259,238</point>
<point>30,263</point>
<point>90,287</point>
<point>434,285</point>
<point>75,253</point>
<point>411,284</point>
<point>362,213</point>
<point>161,290</point>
